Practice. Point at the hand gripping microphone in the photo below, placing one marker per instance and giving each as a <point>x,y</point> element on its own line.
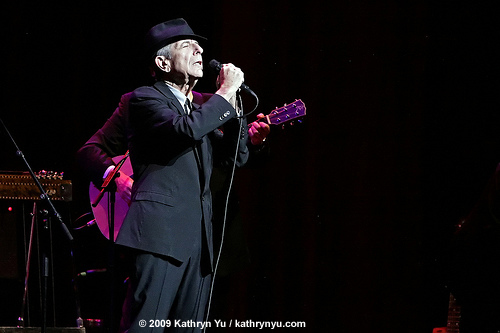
<point>215,65</point>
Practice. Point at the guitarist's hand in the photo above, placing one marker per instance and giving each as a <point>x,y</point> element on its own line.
<point>124,187</point>
<point>258,131</point>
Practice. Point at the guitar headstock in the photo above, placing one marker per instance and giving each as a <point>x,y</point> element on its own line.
<point>284,114</point>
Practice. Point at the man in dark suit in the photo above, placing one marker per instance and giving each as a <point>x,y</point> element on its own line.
<point>172,151</point>
<point>95,157</point>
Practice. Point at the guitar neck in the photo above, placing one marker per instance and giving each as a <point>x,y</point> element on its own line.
<point>453,316</point>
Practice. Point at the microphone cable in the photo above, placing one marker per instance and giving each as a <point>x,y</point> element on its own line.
<point>231,180</point>
<point>88,224</point>
<point>254,108</point>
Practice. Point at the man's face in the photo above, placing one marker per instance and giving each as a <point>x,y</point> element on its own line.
<point>186,59</point>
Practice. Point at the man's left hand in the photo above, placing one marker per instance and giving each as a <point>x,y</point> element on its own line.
<point>258,131</point>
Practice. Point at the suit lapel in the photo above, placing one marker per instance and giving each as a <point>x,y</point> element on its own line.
<point>197,146</point>
<point>198,149</point>
<point>165,91</point>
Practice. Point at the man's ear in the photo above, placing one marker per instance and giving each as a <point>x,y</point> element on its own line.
<point>163,63</point>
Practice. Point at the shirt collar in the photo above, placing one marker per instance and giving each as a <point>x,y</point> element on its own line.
<point>180,96</point>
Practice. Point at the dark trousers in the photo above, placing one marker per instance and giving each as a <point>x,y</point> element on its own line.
<point>165,295</point>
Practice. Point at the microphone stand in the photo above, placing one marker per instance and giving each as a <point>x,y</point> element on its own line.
<point>52,210</point>
<point>110,187</point>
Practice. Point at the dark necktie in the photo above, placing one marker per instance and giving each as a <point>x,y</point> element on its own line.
<point>187,106</point>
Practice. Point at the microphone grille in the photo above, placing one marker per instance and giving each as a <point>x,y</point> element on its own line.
<point>215,64</point>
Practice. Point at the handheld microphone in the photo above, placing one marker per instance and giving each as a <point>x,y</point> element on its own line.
<point>217,66</point>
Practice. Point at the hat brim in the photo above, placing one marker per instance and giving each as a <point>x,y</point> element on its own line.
<point>174,39</point>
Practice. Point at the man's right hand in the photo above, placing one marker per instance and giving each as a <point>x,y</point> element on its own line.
<point>230,79</point>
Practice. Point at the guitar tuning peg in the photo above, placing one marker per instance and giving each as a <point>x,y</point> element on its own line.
<point>299,121</point>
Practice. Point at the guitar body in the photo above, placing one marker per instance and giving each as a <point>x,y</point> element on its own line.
<point>101,210</point>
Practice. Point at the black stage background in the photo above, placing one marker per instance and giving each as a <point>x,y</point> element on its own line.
<point>346,221</point>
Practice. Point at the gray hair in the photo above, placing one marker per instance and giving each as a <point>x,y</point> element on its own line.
<point>165,51</point>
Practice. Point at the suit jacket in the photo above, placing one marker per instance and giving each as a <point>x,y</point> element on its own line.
<point>95,156</point>
<point>111,140</point>
<point>172,156</point>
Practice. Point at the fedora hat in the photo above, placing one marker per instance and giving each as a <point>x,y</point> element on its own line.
<point>169,32</point>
